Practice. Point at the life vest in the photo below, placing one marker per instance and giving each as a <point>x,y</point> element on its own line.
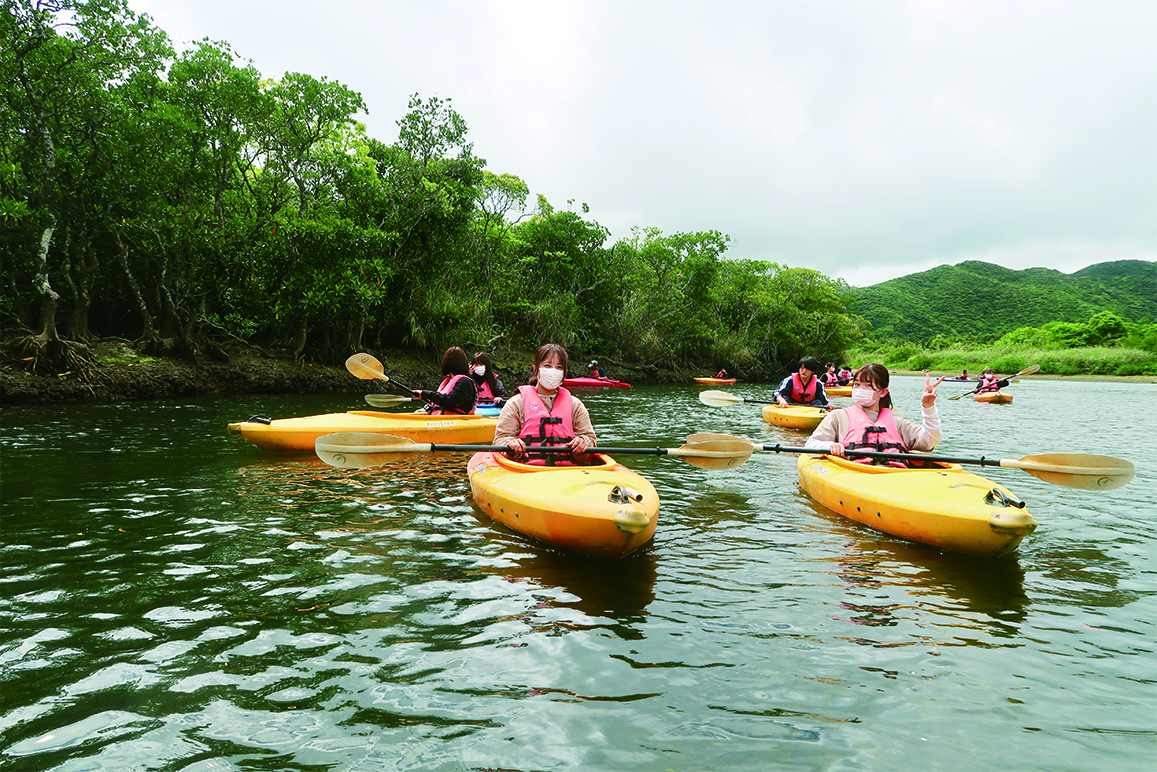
<point>447,387</point>
<point>989,384</point>
<point>882,435</point>
<point>798,394</point>
<point>545,427</point>
<point>830,379</point>
<point>484,392</point>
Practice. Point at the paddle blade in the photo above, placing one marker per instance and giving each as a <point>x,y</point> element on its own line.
<point>719,454</point>
<point>1029,370</point>
<point>355,450</point>
<point>1077,470</point>
<point>718,398</point>
<point>708,437</point>
<point>385,400</point>
<point>365,367</point>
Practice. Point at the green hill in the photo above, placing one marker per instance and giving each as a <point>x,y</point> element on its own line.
<point>976,298</point>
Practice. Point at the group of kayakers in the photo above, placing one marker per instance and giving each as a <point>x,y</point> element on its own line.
<point>465,385</point>
<point>543,412</point>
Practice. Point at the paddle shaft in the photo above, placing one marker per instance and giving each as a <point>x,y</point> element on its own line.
<point>558,449</point>
<point>982,461</point>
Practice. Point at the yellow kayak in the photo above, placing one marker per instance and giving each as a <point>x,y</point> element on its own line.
<point>802,417</point>
<point>996,397</point>
<point>838,391</point>
<point>301,433</point>
<point>943,506</point>
<point>606,509</point>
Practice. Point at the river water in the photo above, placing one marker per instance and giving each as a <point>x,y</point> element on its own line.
<point>175,599</point>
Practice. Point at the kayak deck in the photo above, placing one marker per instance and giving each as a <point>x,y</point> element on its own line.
<point>300,434</point>
<point>943,506</point>
<point>593,383</point>
<point>995,397</point>
<point>803,417</point>
<point>606,510</point>
<point>715,380</point>
<point>838,391</point>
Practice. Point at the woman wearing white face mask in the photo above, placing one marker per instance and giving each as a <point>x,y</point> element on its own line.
<point>545,413</point>
<point>490,388</point>
<point>870,425</point>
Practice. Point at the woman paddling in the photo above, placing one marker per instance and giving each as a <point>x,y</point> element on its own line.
<point>490,388</point>
<point>989,381</point>
<point>457,395</point>
<point>544,412</point>
<point>869,423</point>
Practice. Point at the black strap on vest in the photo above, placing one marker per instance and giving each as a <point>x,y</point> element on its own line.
<point>543,439</point>
<point>878,446</point>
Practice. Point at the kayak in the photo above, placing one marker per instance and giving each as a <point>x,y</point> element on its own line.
<point>838,391</point>
<point>996,397</point>
<point>585,381</point>
<point>959,380</point>
<point>802,417</point>
<point>605,510</point>
<point>943,506</point>
<point>715,380</point>
<point>301,433</point>
<point>487,409</point>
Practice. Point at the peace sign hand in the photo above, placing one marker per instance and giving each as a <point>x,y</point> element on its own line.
<point>929,398</point>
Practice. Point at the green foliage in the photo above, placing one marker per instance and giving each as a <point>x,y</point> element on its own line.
<point>975,298</point>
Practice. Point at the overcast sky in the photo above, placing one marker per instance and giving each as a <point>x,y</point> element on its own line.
<point>866,139</point>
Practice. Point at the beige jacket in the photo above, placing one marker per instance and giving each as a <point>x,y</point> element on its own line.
<point>512,415</point>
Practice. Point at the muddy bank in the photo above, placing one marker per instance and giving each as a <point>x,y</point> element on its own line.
<point>121,373</point>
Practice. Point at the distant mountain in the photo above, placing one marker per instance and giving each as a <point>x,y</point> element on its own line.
<point>977,298</point>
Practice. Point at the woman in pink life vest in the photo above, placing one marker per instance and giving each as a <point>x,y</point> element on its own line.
<point>490,388</point>
<point>988,381</point>
<point>869,423</point>
<point>544,412</point>
<point>831,378</point>
<point>457,395</point>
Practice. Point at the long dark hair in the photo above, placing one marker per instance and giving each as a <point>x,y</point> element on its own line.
<point>480,358</point>
<point>543,353</point>
<point>875,373</point>
<point>454,362</point>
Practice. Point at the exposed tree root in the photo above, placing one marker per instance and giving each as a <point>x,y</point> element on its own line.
<point>46,355</point>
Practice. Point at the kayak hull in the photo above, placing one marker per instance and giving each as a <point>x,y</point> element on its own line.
<point>943,506</point>
<point>995,397</point>
<point>838,391</point>
<point>716,381</point>
<point>606,510</point>
<point>802,417</point>
<point>593,383</point>
<point>300,434</point>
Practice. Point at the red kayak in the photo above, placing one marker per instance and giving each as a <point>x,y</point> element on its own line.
<point>593,383</point>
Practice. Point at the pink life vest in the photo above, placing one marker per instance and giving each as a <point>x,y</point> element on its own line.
<point>447,387</point>
<point>882,435</point>
<point>797,391</point>
<point>546,427</point>
<point>484,392</point>
<point>830,379</point>
<point>989,383</point>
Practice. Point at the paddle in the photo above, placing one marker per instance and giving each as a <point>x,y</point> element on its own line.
<point>388,400</point>
<point>367,367</point>
<point>1002,382</point>
<point>360,449</point>
<point>723,399</point>
<point>1071,470</point>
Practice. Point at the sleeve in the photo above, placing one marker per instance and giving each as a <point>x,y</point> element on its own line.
<point>831,429</point>
<point>784,386</point>
<point>821,395</point>
<point>921,437</point>
<point>499,389</point>
<point>581,421</point>
<point>509,420</point>
<point>462,397</point>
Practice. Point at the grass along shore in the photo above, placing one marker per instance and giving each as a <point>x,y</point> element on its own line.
<point>1084,363</point>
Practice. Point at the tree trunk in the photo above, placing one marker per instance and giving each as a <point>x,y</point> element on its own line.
<point>148,334</point>
<point>49,299</point>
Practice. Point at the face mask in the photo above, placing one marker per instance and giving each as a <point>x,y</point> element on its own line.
<point>478,369</point>
<point>549,378</point>
<point>863,397</point>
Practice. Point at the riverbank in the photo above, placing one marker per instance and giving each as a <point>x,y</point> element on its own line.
<point>1046,377</point>
<point>122,373</point>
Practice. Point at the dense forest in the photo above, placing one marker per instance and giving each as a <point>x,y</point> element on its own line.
<point>183,200</point>
<point>981,299</point>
